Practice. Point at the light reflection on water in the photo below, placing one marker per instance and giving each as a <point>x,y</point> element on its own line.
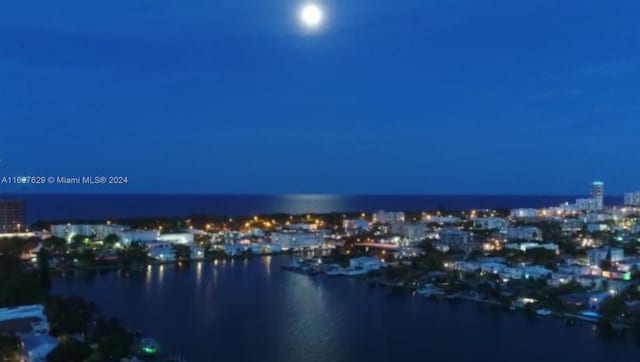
<point>198,274</point>
<point>253,311</point>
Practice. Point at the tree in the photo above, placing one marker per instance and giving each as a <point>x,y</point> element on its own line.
<point>69,315</point>
<point>55,244</point>
<point>111,240</point>
<point>9,348</point>
<point>606,263</point>
<point>77,241</point>
<point>17,285</point>
<point>114,341</point>
<point>70,350</point>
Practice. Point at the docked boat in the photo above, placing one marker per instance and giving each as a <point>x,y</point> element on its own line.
<point>543,312</point>
<point>352,272</point>
<point>430,291</point>
<point>334,271</point>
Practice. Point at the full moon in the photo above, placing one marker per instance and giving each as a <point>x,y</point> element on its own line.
<point>311,15</point>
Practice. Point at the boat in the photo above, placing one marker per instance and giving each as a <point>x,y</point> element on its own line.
<point>334,271</point>
<point>352,272</point>
<point>543,312</point>
<point>588,316</point>
<point>294,265</point>
<point>430,291</point>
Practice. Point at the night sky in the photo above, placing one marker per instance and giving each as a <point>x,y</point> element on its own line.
<point>411,96</point>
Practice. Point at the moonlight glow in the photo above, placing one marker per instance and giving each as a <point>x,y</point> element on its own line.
<point>311,15</point>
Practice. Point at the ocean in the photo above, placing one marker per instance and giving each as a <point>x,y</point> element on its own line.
<point>102,206</point>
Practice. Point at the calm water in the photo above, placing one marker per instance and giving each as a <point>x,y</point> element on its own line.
<point>253,311</point>
<point>79,206</point>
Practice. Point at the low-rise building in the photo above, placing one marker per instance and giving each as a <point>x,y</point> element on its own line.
<point>413,232</point>
<point>266,248</point>
<point>589,281</point>
<point>572,225</point>
<point>162,252</point>
<point>139,236</point>
<point>303,226</point>
<point>100,231</point>
<point>594,228</point>
<point>632,198</point>
<point>441,220</point>
<point>454,238</point>
<point>524,233</point>
<point>528,246</point>
<point>176,238</point>
<point>297,240</point>
<point>355,225</point>
<point>589,204</point>
<point>596,256</point>
<point>490,223</point>
<point>524,213</point>
<point>383,217</point>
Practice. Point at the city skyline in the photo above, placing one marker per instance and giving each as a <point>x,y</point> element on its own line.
<point>462,97</point>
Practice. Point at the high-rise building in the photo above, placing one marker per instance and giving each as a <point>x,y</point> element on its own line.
<point>632,198</point>
<point>597,193</point>
<point>11,215</point>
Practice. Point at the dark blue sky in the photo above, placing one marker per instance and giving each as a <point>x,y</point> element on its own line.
<point>411,96</point>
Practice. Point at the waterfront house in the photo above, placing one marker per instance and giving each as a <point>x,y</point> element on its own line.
<point>177,238</point>
<point>162,252</point>
<point>233,249</point>
<point>196,252</point>
<point>140,236</point>
<point>596,300</point>
<point>265,248</point>
<point>297,240</point>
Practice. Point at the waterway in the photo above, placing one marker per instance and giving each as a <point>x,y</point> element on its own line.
<point>251,310</point>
